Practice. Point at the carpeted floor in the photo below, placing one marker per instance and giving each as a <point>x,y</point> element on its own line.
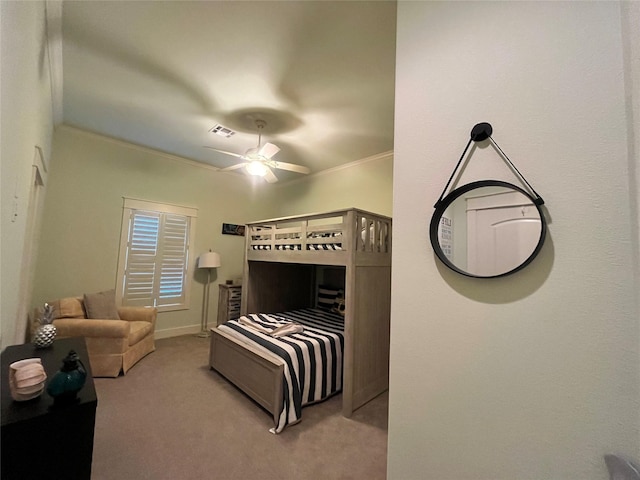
<point>171,417</point>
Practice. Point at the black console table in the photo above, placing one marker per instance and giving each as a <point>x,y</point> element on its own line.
<point>42,440</point>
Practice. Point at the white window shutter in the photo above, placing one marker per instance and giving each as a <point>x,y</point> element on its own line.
<point>173,259</point>
<point>142,252</point>
<point>153,268</point>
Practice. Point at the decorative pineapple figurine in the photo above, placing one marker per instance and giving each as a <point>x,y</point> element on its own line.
<point>46,332</point>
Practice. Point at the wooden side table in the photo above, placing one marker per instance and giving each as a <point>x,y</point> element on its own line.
<point>229,302</point>
<point>40,439</point>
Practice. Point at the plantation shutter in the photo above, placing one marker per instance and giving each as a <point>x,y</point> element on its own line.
<point>142,253</point>
<point>173,259</point>
<point>155,261</point>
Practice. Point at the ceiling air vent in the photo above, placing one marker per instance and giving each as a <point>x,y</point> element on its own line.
<point>222,131</point>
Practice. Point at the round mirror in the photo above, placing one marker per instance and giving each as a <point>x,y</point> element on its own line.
<point>487,229</point>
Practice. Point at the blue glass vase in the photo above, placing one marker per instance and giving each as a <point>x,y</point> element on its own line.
<point>67,382</point>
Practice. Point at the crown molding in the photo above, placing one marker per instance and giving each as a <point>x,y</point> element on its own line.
<point>140,148</point>
<point>328,171</point>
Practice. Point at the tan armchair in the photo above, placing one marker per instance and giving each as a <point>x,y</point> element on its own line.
<point>113,345</point>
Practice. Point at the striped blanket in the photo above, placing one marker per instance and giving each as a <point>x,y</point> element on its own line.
<point>297,246</point>
<point>312,358</point>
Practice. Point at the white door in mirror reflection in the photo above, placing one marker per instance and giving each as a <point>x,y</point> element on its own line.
<point>503,230</point>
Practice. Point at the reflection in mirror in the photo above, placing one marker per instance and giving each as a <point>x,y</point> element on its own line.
<point>487,229</point>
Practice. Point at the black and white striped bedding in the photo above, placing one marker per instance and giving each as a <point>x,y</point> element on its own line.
<point>278,247</point>
<point>319,246</point>
<point>324,246</point>
<point>312,358</point>
<point>336,245</point>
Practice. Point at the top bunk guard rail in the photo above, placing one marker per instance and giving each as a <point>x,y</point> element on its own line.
<point>332,238</point>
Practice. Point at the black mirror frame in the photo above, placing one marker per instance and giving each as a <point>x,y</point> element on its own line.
<point>443,204</point>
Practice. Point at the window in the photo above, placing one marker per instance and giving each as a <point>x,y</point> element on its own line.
<point>155,248</point>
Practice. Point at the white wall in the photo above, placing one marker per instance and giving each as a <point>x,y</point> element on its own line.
<point>535,375</point>
<point>26,121</point>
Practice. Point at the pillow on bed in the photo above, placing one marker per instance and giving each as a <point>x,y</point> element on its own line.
<point>327,296</point>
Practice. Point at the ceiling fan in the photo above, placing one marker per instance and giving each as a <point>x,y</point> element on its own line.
<point>258,160</point>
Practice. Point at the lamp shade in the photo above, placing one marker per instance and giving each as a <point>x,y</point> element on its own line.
<point>209,260</point>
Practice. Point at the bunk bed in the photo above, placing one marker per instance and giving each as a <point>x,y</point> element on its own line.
<point>287,261</point>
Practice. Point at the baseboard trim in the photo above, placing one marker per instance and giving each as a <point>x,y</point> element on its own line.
<point>176,332</point>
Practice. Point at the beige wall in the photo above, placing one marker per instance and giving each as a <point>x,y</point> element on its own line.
<point>535,375</point>
<point>26,121</point>
<point>81,230</point>
<point>366,184</point>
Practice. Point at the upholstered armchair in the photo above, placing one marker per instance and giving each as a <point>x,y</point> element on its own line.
<point>113,344</point>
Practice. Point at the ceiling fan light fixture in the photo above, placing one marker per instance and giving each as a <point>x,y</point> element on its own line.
<point>257,161</point>
<point>257,168</point>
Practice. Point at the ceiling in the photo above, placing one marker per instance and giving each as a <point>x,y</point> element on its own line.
<point>163,74</point>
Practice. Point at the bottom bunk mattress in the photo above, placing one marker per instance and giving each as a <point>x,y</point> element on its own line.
<point>310,342</point>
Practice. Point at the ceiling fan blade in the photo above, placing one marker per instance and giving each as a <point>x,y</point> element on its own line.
<point>225,152</point>
<point>270,176</point>
<point>268,150</point>
<point>232,167</point>
<point>291,167</point>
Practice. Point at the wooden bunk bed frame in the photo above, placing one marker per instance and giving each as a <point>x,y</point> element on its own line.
<point>277,279</point>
